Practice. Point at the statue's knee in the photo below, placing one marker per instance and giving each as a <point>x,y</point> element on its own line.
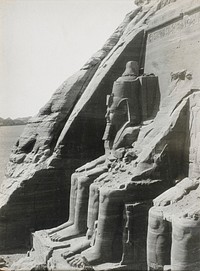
<point>156,221</point>
<point>111,196</point>
<point>83,181</point>
<point>94,190</point>
<point>107,193</point>
<point>74,178</point>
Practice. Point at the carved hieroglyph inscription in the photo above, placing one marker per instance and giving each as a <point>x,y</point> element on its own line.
<point>187,21</point>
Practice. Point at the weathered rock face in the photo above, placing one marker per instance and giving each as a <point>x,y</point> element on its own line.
<point>41,149</point>
<point>174,220</point>
<point>174,228</point>
<point>123,181</point>
<point>149,142</point>
<point>37,171</point>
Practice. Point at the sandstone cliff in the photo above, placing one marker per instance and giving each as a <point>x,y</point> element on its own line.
<point>67,132</point>
<point>38,174</point>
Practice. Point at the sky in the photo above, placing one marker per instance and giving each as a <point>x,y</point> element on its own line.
<point>43,42</point>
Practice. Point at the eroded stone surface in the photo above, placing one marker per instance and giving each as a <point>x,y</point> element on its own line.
<point>179,210</point>
<point>102,189</point>
<point>150,144</point>
<point>45,155</point>
<point>177,243</point>
<point>30,157</point>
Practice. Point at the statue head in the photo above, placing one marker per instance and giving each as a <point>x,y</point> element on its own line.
<point>132,69</point>
<point>118,103</point>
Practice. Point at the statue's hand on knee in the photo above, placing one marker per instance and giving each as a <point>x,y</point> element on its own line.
<point>176,193</point>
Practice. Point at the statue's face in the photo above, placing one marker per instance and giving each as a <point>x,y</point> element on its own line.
<point>116,115</point>
<point>113,114</point>
<point>116,110</point>
<point>109,115</point>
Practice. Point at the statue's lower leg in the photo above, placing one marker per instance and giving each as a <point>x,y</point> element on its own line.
<point>158,240</point>
<point>93,207</point>
<point>81,207</point>
<point>73,194</point>
<point>80,219</point>
<point>86,178</point>
<point>110,215</point>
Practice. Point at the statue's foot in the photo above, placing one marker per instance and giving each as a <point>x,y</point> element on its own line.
<point>66,234</point>
<point>79,261</point>
<point>76,249</point>
<point>67,254</point>
<point>60,227</point>
<point>94,256</point>
<point>88,258</point>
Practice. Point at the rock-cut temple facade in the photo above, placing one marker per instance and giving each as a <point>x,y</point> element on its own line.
<point>107,175</point>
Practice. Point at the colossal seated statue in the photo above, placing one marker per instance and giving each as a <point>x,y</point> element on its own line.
<point>143,157</point>
<point>123,113</point>
<point>173,241</point>
<point>139,179</point>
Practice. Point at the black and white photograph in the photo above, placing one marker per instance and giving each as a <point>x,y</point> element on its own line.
<point>99,135</point>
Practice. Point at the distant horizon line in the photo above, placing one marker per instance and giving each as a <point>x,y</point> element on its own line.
<point>13,118</point>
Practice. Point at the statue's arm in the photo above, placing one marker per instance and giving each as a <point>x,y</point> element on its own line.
<point>177,192</point>
<point>100,160</point>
